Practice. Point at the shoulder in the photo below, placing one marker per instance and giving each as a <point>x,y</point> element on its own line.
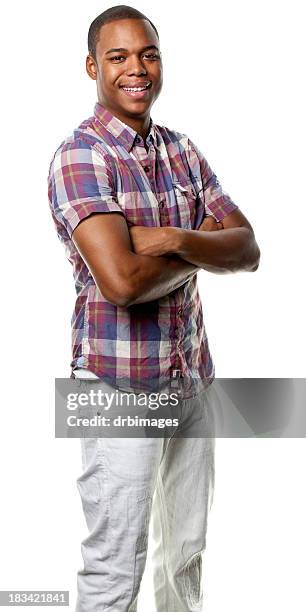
<point>172,136</point>
<point>81,143</point>
<point>179,142</point>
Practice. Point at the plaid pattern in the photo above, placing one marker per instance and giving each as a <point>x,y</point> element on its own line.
<point>104,166</point>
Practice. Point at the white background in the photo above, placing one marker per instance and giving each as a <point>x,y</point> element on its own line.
<point>233,81</point>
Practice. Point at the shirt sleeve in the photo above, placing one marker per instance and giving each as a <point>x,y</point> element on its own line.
<point>79,183</point>
<point>213,200</point>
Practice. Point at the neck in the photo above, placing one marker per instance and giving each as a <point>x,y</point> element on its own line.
<point>141,125</point>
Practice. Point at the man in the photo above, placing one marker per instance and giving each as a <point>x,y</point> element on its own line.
<point>138,207</point>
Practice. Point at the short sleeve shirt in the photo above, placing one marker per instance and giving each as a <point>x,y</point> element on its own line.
<point>104,166</point>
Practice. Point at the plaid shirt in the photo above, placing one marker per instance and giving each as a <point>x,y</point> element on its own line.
<point>104,166</point>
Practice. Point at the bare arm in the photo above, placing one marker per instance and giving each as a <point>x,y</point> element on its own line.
<point>122,276</point>
<point>232,249</point>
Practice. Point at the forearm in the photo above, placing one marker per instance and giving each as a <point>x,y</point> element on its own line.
<point>229,250</point>
<point>154,277</point>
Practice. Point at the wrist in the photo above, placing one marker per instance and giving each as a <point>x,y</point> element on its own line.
<point>174,240</point>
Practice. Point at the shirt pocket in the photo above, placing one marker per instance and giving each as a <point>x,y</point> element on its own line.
<point>139,207</point>
<point>186,200</point>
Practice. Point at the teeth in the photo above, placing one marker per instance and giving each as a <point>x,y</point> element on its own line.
<point>136,88</point>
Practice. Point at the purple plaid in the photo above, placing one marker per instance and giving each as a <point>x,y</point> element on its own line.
<point>104,166</point>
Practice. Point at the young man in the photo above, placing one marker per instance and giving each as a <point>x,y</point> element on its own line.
<point>138,315</point>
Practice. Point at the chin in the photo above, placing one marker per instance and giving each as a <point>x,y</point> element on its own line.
<point>136,108</point>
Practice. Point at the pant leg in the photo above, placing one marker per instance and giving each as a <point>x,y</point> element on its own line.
<point>183,497</point>
<point>116,488</point>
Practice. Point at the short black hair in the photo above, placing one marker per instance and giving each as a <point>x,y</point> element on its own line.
<point>121,11</point>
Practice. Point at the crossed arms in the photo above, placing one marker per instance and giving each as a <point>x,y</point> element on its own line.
<point>141,264</point>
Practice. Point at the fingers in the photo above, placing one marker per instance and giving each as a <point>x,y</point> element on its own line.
<point>210,224</point>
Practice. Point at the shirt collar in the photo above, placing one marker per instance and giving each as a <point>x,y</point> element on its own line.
<point>122,132</point>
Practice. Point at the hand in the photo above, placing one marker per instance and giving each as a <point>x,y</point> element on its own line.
<point>210,224</point>
<point>154,241</point>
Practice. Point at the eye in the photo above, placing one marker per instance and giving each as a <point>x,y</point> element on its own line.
<point>117,58</point>
<point>152,56</point>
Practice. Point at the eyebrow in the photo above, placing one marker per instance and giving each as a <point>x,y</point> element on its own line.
<point>126,50</point>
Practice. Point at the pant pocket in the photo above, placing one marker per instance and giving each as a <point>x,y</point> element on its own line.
<point>192,580</point>
<point>139,511</point>
<point>143,506</point>
<point>90,482</point>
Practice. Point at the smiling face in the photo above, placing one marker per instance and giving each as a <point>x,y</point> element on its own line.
<point>128,69</point>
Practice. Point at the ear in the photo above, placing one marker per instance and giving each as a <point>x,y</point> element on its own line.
<point>91,67</point>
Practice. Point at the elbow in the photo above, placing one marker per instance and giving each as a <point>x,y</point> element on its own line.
<point>247,262</point>
<point>129,290</point>
<point>122,286</point>
<point>251,255</point>
<point>254,264</point>
<point>125,299</point>
<point>119,294</point>
<point>250,263</point>
<point>128,297</point>
<point>121,300</point>
<point>254,267</point>
<point>125,285</point>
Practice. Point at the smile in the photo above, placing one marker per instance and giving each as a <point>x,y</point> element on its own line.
<point>137,91</point>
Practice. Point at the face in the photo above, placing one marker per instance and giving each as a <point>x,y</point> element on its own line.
<point>128,68</point>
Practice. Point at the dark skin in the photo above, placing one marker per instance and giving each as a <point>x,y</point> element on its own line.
<point>140,264</point>
<point>136,59</point>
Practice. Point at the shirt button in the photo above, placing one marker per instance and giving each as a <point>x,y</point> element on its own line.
<point>147,168</point>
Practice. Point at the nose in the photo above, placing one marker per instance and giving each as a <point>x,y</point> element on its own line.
<point>135,66</point>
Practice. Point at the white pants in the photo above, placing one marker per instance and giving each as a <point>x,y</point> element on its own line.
<point>123,479</point>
